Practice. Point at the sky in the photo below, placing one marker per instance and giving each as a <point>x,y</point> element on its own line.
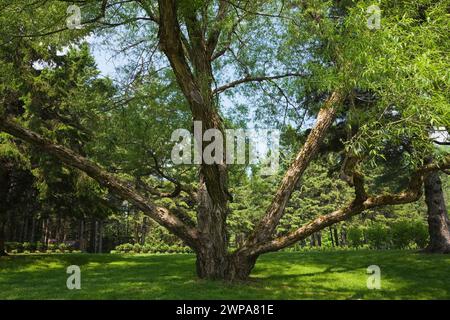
<point>106,63</point>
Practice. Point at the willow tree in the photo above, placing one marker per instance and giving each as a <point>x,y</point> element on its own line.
<point>324,50</point>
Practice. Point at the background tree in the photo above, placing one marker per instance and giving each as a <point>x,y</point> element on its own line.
<point>438,222</point>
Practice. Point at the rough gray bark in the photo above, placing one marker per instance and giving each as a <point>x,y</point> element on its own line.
<point>438,221</point>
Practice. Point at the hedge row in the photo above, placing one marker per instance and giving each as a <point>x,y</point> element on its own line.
<point>400,234</point>
<point>151,248</point>
<point>38,247</point>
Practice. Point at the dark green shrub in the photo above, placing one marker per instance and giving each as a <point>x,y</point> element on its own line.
<point>28,246</point>
<point>19,247</point>
<point>40,247</point>
<point>157,248</point>
<point>63,247</point>
<point>163,248</point>
<point>420,234</point>
<point>355,236</point>
<point>151,248</point>
<point>137,248</point>
<point>127,248</point>
<point>402,233</point>
<point>10,246</point>
<point>378,236</point>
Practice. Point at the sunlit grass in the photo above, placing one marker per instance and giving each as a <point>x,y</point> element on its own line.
<point>307,275</point>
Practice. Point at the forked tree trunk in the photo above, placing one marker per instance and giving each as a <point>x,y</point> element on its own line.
<point>213,259</point>
<point>438,222</point>
<point>224,266</point>
<point>212,255</point>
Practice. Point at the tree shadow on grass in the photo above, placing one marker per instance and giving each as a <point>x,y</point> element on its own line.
<point>404,274</point>
<point>312,275</point>
<point>45,276</point>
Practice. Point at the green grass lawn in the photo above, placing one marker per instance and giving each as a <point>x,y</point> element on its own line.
<point>307,275</point>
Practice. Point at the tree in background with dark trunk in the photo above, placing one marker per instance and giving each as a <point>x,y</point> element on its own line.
<point>438,221</point>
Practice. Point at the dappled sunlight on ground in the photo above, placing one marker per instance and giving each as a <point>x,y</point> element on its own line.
<point>307,275</point>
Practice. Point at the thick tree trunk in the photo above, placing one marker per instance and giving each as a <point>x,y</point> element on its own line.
<point>213,259</point>
<point>240,266</point>
<point>212,255</point>
<point>438,222</point>
<point>233,267</point>
<point>195,80</point>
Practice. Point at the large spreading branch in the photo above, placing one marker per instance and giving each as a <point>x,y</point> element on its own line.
<point>119,187</point>
<point>325,118</point>
<point>361,203</point>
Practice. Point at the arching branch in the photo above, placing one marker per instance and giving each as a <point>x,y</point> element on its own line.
<point>119,187</point>
<point>274,213</point>
<point>255,79</point>
<point>361,202</point>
